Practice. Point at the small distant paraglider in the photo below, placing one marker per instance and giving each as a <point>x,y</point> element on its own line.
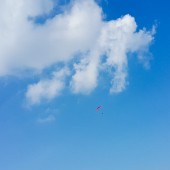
<point>99,109</point>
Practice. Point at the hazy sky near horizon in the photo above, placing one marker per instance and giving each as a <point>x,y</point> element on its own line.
<point>59,60</point>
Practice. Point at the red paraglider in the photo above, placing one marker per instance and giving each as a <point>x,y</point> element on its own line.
<point>99,109</point>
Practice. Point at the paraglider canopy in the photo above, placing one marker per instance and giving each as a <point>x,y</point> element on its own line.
<point>98,108</point>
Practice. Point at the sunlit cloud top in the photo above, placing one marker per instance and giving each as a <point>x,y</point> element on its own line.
<point>79,38</point>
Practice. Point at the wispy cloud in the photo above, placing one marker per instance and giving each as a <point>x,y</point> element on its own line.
<point>78,37</point>
<point>48,119</point>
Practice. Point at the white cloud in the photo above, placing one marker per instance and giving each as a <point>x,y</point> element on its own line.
<point>48,119</point>
<point>80,31</point>
<point>47,88</point>
<point>116,40</point>
<point>86,72</point>
<point>26,45</point>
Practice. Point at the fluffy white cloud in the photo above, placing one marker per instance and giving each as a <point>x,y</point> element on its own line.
<point>79,37</point>
<point>47,88</point>
<point>86,72</point>
<point>116,40</point>
<point>26,45</point>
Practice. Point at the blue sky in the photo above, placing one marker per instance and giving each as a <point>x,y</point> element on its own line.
<point>47,104</point>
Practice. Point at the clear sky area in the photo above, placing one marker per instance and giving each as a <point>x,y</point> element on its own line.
<point>60,60</point>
